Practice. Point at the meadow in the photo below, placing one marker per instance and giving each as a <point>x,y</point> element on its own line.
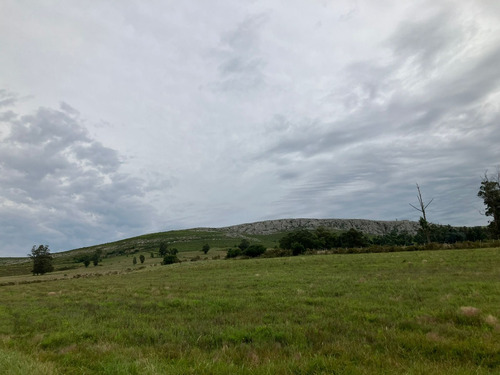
<point>422,312</point>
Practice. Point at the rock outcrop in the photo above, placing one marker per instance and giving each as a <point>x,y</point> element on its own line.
<point>283,225</point>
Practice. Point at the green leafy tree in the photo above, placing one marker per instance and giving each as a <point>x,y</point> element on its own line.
<point>490,193</point>
<point>42,260</point>
<point>134,261</point>
<point>142,258</point>
<point>163,249</point>
<point>96,257</point>
<point>205,248</point>
<point>86,262</point>
<point>244,244</point>
<point>353,238</point>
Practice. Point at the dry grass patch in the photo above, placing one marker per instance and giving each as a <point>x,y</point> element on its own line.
<point>470,311</point>
<point>492,321</point>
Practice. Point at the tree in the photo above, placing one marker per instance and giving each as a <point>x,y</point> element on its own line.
<point>490,193</point>
<point>134,261</point>
<point>163,249</point>
<point>86,261</point>
<point>244,244</point>
<point>205,248</point>
<point>142,258</point>
<point>353,238</point>
<point>42,260</point>
<point>96,257</point>
<point>424,224</point>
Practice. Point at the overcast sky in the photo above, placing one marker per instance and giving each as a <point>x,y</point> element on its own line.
<point>120,118</point>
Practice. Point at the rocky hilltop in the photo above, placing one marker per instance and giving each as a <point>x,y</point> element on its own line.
<point>283,225</point>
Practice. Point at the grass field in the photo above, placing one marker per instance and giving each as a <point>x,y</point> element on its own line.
<point>429,312</point>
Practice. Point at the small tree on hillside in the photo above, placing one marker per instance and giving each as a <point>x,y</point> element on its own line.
<point>163,249</point>
<point>205,248</point>
<point>134,261</point>
<point>244,244</point>
<point>142,258</point>
<point>96,257</point>
<point>42,260</point>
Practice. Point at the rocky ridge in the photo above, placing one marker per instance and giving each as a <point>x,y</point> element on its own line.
<point>282,225</point>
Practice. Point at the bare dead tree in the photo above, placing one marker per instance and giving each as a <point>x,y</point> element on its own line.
<point>424,224</point>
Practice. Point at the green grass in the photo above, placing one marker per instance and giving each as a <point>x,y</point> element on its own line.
<point>391,313</point>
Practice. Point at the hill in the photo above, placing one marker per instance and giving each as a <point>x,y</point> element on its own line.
<point>190,241</point>
<point>374,227</point>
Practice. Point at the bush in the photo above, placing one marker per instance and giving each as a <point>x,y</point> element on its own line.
<point>205,248</point>
<point>254,251</point>
<point>298,248</point>
<point>244,244</point>
<point>170,259</point>
<point>233,253</point>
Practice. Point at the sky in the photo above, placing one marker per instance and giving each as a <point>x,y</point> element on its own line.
<point>120,118</point>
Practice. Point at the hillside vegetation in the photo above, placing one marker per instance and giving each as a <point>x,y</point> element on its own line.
<point>190,241</point>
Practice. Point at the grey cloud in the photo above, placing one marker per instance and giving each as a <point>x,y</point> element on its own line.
<point>61,187</point>
<point>427,41</point>
<point>371,158</point>
<point>7,98</point>
<point>240,62</point>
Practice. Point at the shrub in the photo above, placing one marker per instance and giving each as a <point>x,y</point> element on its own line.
<point>170,259</point>
<point>298,248</point>
<point>142,258</point>
<point>255,251</point>
<point>233,253</point>
<point>205,248</point>
<point>244,244</point>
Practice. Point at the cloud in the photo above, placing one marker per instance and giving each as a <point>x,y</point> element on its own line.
<point>241,65</point>
<point>402,123</point>
<point>61,187</point>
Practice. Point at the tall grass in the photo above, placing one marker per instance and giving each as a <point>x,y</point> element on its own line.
<point>427,312</point>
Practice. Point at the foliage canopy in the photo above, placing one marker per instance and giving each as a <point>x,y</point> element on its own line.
<point>42,260</point>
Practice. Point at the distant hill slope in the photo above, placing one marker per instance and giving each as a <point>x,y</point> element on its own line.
<point>283,225</point>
